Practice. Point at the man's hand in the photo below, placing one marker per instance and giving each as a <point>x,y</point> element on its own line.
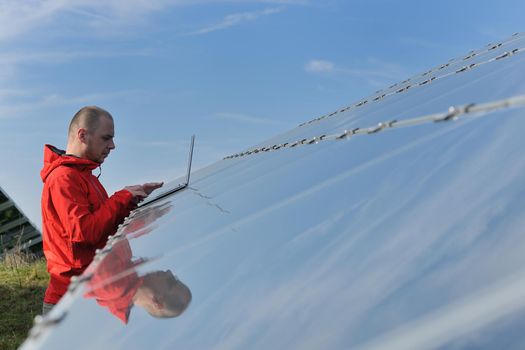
<point>151,186</point>
<point>140,192</point>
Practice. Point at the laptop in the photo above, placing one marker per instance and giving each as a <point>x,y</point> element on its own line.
<point>180,186</point>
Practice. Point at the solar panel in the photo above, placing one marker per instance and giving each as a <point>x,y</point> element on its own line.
<point>394,222</point>
<point>16,231</point>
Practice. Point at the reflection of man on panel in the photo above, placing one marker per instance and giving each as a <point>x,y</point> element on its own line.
<point>116,286</point>
<point>77,214</point>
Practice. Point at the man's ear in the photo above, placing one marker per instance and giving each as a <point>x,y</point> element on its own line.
<point>82,135</point>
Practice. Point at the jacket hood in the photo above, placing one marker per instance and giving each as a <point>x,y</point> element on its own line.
<point>54,157</point>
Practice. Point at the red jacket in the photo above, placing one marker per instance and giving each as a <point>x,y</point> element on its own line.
<point>77,217</point>
<point>115,281</point>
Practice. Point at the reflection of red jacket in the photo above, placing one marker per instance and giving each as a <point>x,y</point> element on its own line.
<point>77,217</point>
<point>115,282</point>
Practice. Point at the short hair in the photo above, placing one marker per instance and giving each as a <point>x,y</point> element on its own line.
<point>87,117</point>
<point>174,305</point>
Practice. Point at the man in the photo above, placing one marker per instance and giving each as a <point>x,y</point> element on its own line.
<point>116,286</point>
<point>77,214</point>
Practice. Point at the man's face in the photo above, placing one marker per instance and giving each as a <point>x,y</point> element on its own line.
<point>169,291</point>
<point>99,142</point>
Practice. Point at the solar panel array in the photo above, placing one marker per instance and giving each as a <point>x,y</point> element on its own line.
<point>393,223</point>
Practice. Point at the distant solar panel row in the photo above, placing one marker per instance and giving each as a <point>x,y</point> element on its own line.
<point>16,231</point>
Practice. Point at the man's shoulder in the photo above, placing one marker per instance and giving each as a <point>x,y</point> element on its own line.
<point>64,173</point>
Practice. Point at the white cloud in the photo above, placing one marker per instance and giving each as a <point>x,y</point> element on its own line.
<point>22,16</point>
<point>19,17</point>
<point>37,103</point>
<point>319,66</point>
<point>53,57</point>
<point>236,19</point>
<point>6,94</point>
<point>375,68</point>
<point>373,72</point>
<point>16,100</point>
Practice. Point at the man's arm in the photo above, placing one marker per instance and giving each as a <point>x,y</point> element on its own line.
<point>81,222</point>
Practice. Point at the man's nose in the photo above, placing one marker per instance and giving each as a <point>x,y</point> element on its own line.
<point>111,145</point>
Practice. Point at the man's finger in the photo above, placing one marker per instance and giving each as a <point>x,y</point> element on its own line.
<point>141,193</point>
<point>150,186</point>
<point>153,184</point>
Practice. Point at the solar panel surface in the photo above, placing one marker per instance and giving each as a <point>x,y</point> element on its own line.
<point>407,238</point>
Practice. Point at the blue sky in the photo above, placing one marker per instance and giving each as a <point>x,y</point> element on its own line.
<point>232,72</point>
